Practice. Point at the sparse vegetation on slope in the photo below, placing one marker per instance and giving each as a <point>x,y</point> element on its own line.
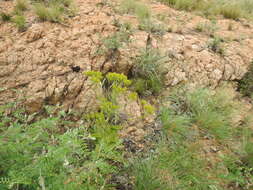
<point>229,9</point>
<point>141,130</point>
<point>178,162</point>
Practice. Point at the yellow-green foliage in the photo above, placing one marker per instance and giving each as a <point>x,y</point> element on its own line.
<point>95,76</point>
<point>118,79</point>
<point>148,108</point>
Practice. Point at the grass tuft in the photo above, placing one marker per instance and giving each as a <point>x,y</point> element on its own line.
<point>20,22</point>
<point>148,73</point>
<point>20,6</point>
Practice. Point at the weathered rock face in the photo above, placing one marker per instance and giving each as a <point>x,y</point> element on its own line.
<point>38,64</point>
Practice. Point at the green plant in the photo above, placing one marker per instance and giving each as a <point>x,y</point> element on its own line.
<point>111,44</point>
<point>135,7</point>
<point>151,26</point>
<point>20,6</point>
<point>216,45</point>
<point>145,179</point>
<point>20,22</point>
<point>5,16</point>
<point>55,10</point>
<point>49,154</point>
<point>211,112</point>
<point>208,28</point>
<point>148,72</point>
<point>55,13</point>
<point>231,9</point>
<point>41,11</point>
<point>238,175</point>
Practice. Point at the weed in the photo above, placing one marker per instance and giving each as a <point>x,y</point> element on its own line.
<point>55,13</point>
<point>211,112</point>
<point>147,72</point>
<point>137,8</point>
<point>207,28</point>
<point>216,45</point>
<point>152,27</point>
<point>5,16</point>
<point>41,11</point>
<point>111,44</point>
<point>144,176</point>
<point>20,6</point>
<point>20,22</point>
<point>230,11</point>
<point>55,10</point>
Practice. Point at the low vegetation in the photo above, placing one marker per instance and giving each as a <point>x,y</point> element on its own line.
<point>208,28</point>
<point>20,22</point>
<point>54,11</point>
<point>179,161</point>
<point>144,16</point>
<point>147,72</point>
<point>216,45</point>
<point>55,152</point>
<point>201,138</point>
<point>234,9</point>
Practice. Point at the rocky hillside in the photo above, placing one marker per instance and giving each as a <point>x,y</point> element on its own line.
<point>53,53</point>
<point>38,62</point>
